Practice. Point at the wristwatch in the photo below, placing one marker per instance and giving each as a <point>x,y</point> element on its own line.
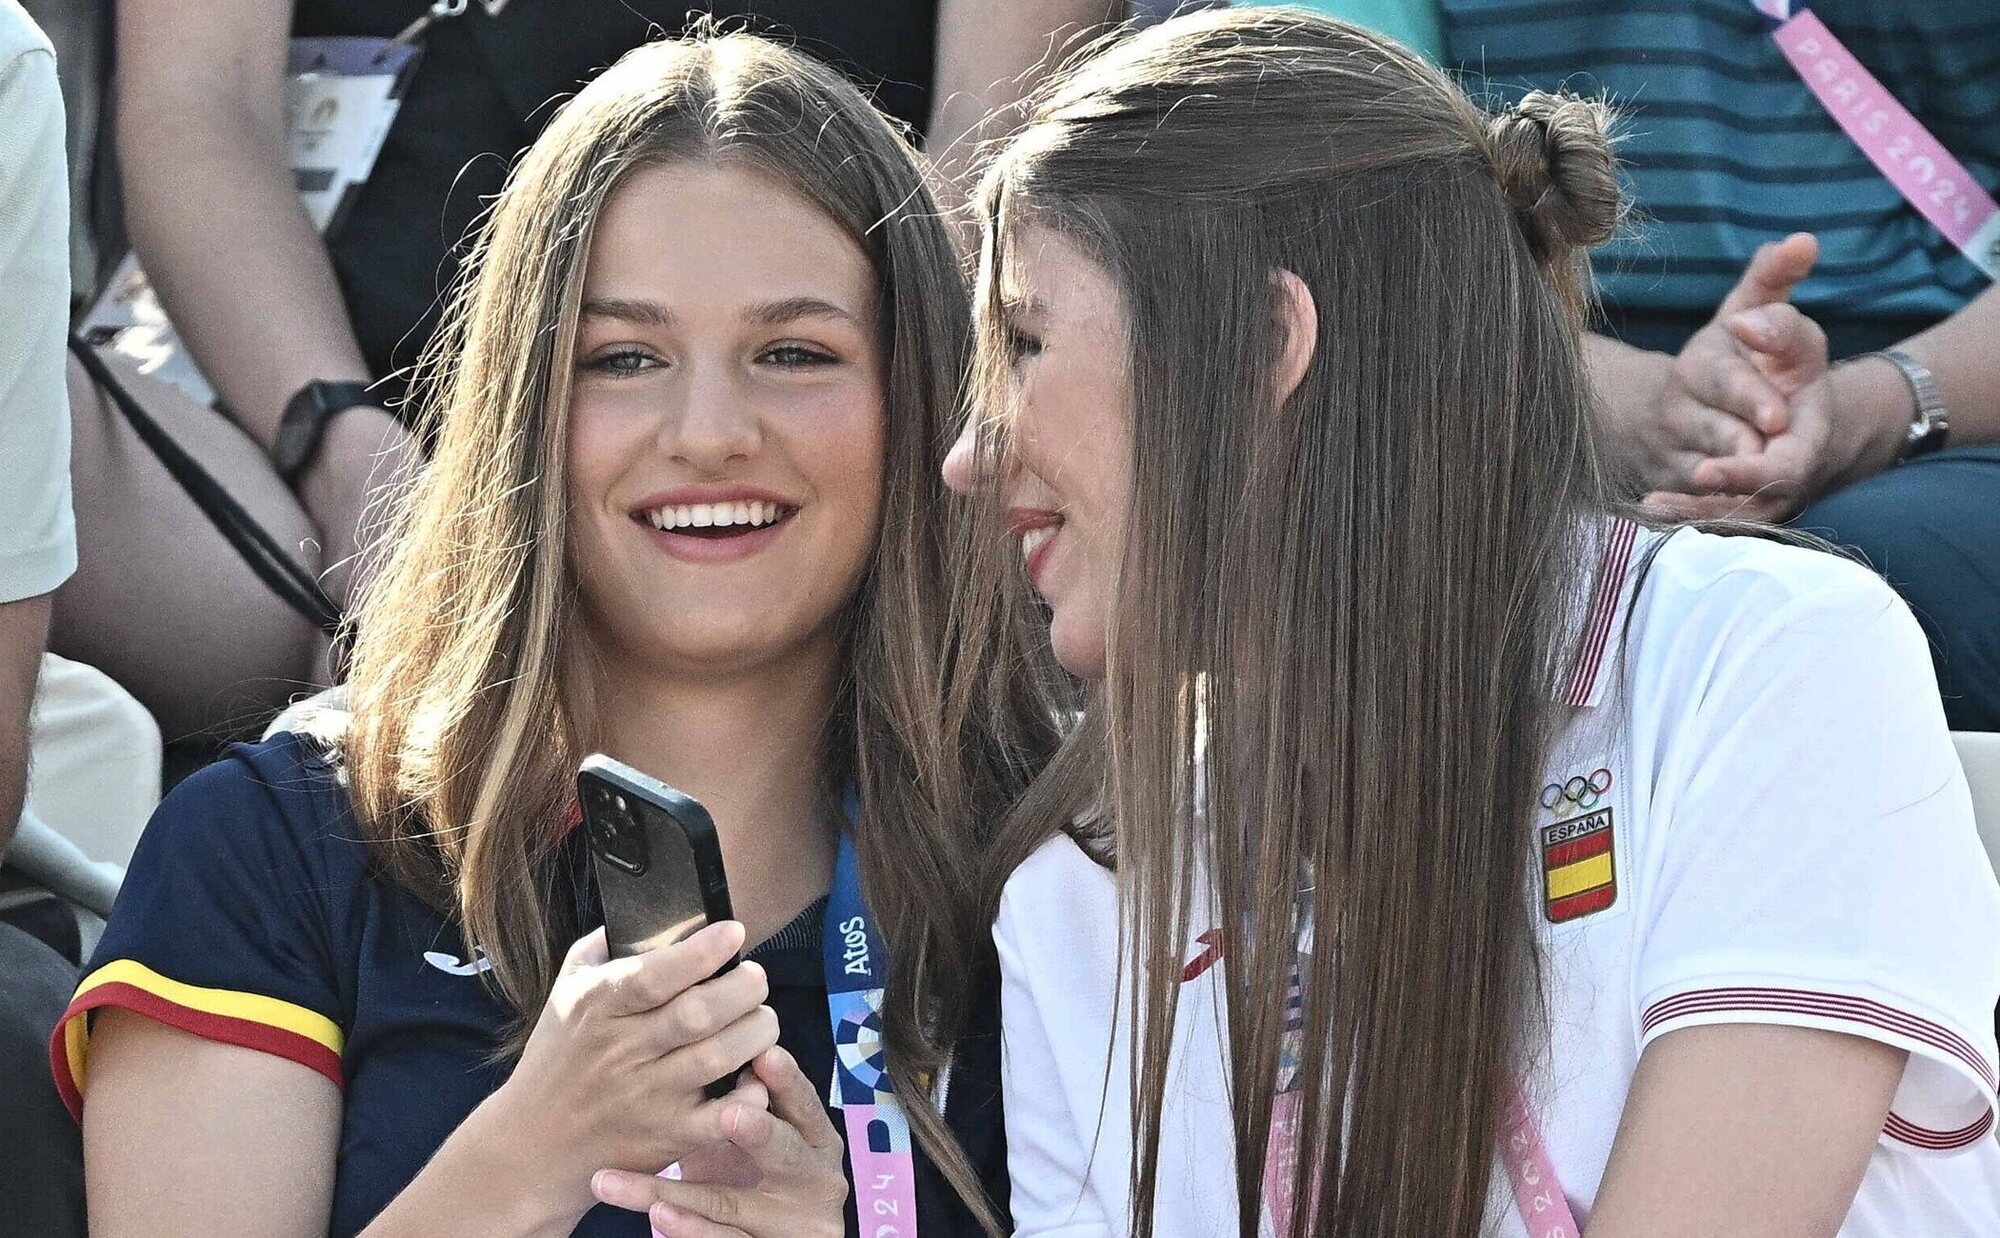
<point>1930,425</point>
<point>304,423</point>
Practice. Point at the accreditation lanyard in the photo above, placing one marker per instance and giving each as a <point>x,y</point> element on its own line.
<point>1538,1192</point>
<point>1916,163</point>
<point>878,1133</point>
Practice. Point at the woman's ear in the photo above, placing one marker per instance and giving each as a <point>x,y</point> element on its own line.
<point>1298,327</point>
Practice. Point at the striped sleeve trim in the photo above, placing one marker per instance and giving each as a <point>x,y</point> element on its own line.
<point>1839,1012</point>
<point>251,1020</point>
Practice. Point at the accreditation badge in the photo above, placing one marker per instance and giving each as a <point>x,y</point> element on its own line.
<point>341,96</point>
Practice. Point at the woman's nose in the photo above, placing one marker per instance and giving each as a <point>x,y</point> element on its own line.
<point>975,459</point>
<point>713,424</point>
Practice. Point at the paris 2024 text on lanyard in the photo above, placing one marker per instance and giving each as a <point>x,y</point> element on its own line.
<point>1916,163</point>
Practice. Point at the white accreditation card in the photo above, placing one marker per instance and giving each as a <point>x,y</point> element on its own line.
<point>341,96</point>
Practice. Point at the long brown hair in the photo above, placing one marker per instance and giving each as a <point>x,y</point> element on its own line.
<point>469,693</point>
<point>1339,613</point>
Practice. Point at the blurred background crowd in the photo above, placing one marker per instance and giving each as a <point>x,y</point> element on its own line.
<point>226,227</point>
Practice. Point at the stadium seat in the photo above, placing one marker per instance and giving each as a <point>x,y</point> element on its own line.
<point>1979,752</point>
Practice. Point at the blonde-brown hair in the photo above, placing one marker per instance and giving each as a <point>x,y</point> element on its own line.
<point>469,693</point>
<point>1339,613</point>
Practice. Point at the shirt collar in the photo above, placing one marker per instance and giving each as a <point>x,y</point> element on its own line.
<point>1598,632</point>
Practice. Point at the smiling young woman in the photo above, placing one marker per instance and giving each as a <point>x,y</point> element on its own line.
<point>1441,852</point>
<point>684,509</point>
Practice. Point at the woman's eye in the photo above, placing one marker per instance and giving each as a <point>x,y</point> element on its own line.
<point>1021,344</point>
<point>797,355</point>
<point>622,361</point>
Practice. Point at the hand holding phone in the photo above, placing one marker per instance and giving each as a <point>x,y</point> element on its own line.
<point>618,1068</point>
<point>658,862</point>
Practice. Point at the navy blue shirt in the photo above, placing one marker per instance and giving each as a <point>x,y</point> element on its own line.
<point>250,916</point>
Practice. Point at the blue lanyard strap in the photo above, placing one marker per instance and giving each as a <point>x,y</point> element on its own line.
<point>878,1133</point>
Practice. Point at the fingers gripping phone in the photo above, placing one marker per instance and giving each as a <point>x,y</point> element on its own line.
<point>658,862</point>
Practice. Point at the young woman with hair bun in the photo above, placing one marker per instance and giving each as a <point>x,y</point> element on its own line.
<point>1442,851</point>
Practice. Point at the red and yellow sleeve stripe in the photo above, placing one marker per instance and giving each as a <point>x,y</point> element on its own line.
<point>251,1020</point>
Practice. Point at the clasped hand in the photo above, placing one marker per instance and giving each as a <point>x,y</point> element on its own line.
<point>1745,421</point>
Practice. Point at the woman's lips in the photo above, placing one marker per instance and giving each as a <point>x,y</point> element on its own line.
<point>1036,528</point>
<point>715,545</point>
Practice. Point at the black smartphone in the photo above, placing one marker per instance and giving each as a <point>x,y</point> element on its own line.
<point>658,862</point>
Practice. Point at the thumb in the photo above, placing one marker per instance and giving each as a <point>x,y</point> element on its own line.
<point>1771,274</point>
<point>589,950</point>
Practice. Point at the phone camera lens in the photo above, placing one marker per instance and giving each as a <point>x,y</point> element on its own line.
<point>618,802</point>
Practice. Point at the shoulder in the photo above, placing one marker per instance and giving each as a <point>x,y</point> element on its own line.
<point>279,803</point>
<point>1690,567</point>
<point>1058,920</point>
<point>19,37</point>
<point>1711,599</point>
<point>1058,886</point>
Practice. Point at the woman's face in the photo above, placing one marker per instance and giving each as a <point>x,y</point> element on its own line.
<point>726,422</point>
<point>1067,477</point>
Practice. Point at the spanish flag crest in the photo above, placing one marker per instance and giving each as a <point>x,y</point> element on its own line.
<point>1579,869</point>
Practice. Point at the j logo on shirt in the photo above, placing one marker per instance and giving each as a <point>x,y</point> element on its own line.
<point>450,964</point>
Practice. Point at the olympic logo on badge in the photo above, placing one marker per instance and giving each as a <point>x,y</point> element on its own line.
<point>1578,793</point>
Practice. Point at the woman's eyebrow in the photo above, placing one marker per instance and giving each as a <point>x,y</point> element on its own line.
<point>1021,305</point>
<point>640,313</point>
<point>792,309</point>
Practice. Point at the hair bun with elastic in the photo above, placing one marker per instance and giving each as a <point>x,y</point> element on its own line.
<point>1552,156</point>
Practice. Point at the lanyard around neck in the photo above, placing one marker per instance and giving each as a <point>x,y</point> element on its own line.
<point>878,1132</point>
<point>1538,1193</point>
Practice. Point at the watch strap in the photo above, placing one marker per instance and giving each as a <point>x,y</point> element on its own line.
<point>1930,424</point>
<point>303,425</point>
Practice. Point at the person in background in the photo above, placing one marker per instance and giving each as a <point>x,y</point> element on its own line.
<point>1442,853</point>
<point>1767,244</point>
<point>684,509</point>
<point>41,1168</point>
<point>1413,23</point>
<point>328,327</point>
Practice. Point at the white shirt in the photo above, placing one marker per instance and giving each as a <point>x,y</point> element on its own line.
<point>37,535</point>
<point>1781,834</point>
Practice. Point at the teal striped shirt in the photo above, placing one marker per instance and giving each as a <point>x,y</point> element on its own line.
<point>1725,148</point>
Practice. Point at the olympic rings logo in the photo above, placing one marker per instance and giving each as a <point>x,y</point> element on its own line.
<point>1578,794</point>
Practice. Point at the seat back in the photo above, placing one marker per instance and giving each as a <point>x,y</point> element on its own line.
<point>1979,753</point>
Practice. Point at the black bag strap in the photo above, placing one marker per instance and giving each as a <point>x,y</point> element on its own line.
<point>280,573</point>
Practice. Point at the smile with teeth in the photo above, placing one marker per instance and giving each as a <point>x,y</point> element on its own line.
<point>1034,539</point>
<point>721,519</point>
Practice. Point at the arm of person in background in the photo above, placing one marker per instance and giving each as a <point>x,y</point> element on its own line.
<point>24,633</point>
<point>37,533</point>
<point>1749,419</point>
<point>989,56</point>
<point>217,222</point>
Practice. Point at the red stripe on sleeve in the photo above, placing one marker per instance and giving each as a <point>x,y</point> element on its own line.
<point>223,1029</point>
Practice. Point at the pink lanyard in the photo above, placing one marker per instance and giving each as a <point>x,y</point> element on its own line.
<point>1916,163</point>
<point>1537,1192</point>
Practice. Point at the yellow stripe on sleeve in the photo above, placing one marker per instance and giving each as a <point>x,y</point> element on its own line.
<point>228,1003</point>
